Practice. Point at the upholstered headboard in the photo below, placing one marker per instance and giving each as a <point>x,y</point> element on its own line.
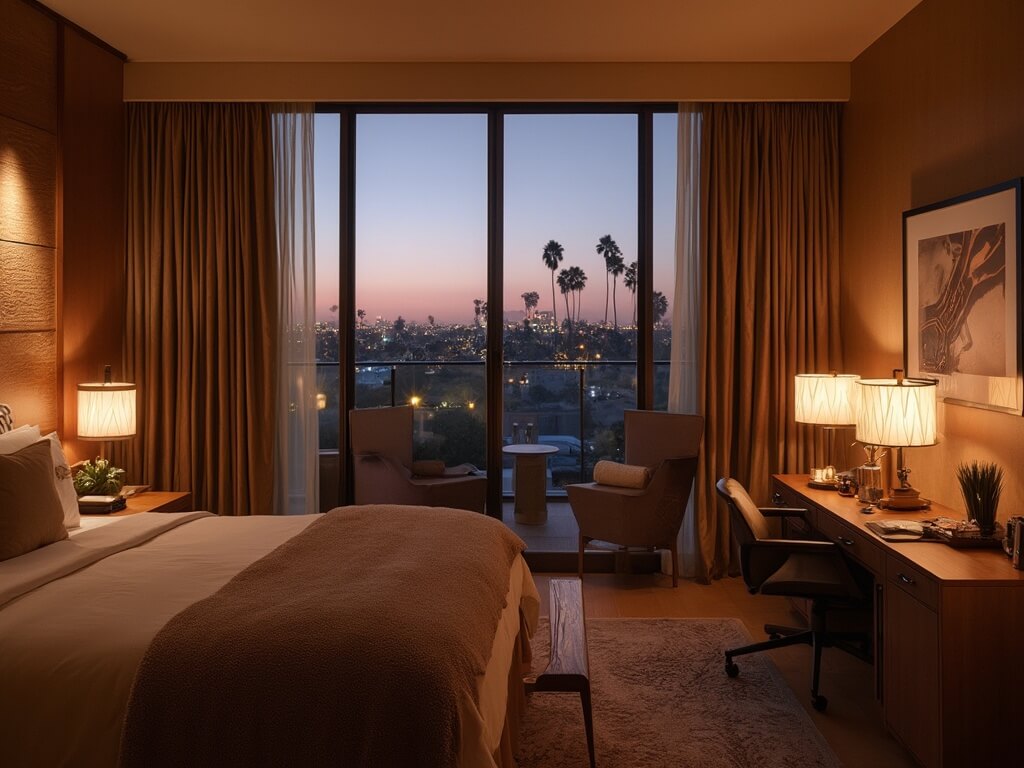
<point>6,418</point>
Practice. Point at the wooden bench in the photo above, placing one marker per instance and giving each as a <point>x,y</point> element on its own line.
<point>568,668</point>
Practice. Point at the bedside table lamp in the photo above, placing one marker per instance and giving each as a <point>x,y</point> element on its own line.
<point>898,413</point>
<point>106,411</point>
<point>827,401</point>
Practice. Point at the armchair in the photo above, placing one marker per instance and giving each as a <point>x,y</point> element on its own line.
<point>381,441</point>
<point>668,444</point>
<point>815,570</point>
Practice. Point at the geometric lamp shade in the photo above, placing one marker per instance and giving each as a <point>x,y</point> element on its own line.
<point>106,411</point>
<point>826,399</point>
<point>896,412</point>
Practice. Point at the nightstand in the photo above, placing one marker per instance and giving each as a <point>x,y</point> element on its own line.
<point>154,501</point>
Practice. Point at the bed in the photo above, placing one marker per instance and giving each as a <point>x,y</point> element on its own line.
<point>174,638</point>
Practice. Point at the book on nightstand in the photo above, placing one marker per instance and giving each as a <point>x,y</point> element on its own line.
<point>98,505</point>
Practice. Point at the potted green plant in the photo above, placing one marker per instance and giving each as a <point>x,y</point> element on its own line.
<point>98,478</point>
<point>981,484</point>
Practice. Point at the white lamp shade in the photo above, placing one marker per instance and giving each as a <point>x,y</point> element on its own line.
<point>106,411</point>
<point>826,399</point>
<point>896,414</point>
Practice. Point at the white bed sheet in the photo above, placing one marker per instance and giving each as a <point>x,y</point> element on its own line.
<point>69,649</point>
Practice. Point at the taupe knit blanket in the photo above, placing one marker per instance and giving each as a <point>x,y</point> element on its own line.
<point>350,644</point>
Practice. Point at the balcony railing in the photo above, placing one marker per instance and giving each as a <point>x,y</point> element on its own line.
<point>575,406</point>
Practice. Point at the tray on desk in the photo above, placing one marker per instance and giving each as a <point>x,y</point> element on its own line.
<point>971,539</point>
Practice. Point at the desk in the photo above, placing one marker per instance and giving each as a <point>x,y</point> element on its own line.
<point>949,632</point>
<point>530,485</point>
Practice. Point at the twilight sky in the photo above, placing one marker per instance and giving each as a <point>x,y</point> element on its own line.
<point>421,209</point>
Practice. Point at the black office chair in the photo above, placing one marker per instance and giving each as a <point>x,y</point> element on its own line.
<point>815,570</point>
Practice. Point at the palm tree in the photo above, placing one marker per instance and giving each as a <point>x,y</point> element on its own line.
<point>630,281</point>
<point>552,257</point>
<point>565,287</point>
<point>531,299</point>
<point>612,253</point>
<point>660,306</point>
<point>361,314</point>
<point>430,320</point>
<point>477,309</point>
<point>577,282</point>
<point>617,268</point>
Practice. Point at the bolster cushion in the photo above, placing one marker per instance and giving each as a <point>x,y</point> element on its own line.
<point>621,475</point>
<point>428,468</point>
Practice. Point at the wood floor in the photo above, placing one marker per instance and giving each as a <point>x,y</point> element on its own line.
<point>852,725</point>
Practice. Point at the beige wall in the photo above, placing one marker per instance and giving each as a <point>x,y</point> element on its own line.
<point>540,81</point>
<point>936,110</point>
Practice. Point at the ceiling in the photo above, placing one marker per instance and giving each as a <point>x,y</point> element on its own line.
<point>486,30</point>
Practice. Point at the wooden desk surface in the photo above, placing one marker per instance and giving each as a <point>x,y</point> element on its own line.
<point>968,566</point>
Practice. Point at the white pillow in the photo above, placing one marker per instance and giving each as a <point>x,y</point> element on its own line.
<point>22,437</point>
<point>65,483</point>
<point>15,440</point>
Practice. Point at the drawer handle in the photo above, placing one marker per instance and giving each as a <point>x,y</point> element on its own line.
<point>904,578</point>
<point>847,542</point>
<point>777,499</point>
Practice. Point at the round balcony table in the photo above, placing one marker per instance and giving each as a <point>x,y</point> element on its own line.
<point>530,481</point>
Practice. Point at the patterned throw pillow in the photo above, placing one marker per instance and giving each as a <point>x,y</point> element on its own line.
<point>6,418</point>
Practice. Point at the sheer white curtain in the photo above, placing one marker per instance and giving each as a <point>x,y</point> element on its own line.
<point>682,382</point>
<point>296,446</point>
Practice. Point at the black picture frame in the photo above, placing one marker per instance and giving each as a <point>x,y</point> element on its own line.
<point>962,297</point>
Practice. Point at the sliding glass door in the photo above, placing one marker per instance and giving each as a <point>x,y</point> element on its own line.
<point>570,232</point>
<point>421,276</point>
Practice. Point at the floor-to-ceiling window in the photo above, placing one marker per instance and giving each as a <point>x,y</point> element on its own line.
<point>570,233</point>
<point>563,218</point>
<point>421,276</point>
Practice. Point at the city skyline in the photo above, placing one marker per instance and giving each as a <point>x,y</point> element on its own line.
<point>429,172</point>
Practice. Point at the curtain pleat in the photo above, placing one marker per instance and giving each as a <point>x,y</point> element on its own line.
<point>683,367</point>
<point>201,307</point>
<point>769,296</point>
<point>296,446</point>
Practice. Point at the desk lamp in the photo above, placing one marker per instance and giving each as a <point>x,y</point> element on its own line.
<point>826,400</point>
<point>898,413</point>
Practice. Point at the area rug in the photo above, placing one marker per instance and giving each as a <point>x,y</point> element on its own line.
<point>661,699</point>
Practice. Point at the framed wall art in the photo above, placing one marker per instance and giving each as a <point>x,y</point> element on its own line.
<point>962,297</point>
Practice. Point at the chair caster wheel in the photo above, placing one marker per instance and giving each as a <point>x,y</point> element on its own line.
<point>731,669</point>
<point>820,703</point>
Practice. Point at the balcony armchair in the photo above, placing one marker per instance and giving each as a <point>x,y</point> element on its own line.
<point>814,570</point>
<point>382,465</point>
<point>667,444</point>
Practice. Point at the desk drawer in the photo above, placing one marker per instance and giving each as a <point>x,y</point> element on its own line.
<point>913,581</point>
<point>784,496</point>
<point>854,543</point>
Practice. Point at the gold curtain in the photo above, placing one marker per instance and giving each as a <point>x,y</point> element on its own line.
<point>201,308</point>
<point>769,295</point>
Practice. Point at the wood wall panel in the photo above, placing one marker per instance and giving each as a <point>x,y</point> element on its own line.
<point>28,377</point>
<point>935,111</point>
<point>27,288</point>
<point>28,184</point>
<point>28,65</point>
<point>93,222</point>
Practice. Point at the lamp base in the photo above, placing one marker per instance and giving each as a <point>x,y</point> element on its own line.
<point>905,499</point>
